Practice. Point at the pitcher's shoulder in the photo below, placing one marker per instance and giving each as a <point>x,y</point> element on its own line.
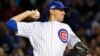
<point>64,24</point>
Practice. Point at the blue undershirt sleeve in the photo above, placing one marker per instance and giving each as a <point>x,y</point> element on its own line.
<point>12,24</point>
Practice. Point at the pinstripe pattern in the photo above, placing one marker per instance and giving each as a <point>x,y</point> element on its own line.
<point>44,37</point>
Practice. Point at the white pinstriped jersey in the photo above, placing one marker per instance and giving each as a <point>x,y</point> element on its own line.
<point>47,38</point>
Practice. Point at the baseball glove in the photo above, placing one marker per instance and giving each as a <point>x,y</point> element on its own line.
<point>79,50</point>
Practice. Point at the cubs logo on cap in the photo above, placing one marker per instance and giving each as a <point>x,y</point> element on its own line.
<point>63,35</point>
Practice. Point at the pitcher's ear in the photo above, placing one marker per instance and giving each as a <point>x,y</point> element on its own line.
<point>52,11</point>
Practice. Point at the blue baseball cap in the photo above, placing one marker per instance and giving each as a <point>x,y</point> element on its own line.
<point>56,5</point>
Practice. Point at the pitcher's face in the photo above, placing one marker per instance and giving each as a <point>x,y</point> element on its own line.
<point>59,14</point>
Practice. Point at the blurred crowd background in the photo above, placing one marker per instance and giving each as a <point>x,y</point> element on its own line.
<point>83,18</point>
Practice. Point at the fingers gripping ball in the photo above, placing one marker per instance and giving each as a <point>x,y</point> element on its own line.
<point>35,15</point>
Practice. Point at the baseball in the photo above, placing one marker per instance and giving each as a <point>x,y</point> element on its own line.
<point>37,13</point>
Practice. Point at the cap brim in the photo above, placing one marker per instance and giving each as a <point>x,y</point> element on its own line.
<point>65,8</point>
